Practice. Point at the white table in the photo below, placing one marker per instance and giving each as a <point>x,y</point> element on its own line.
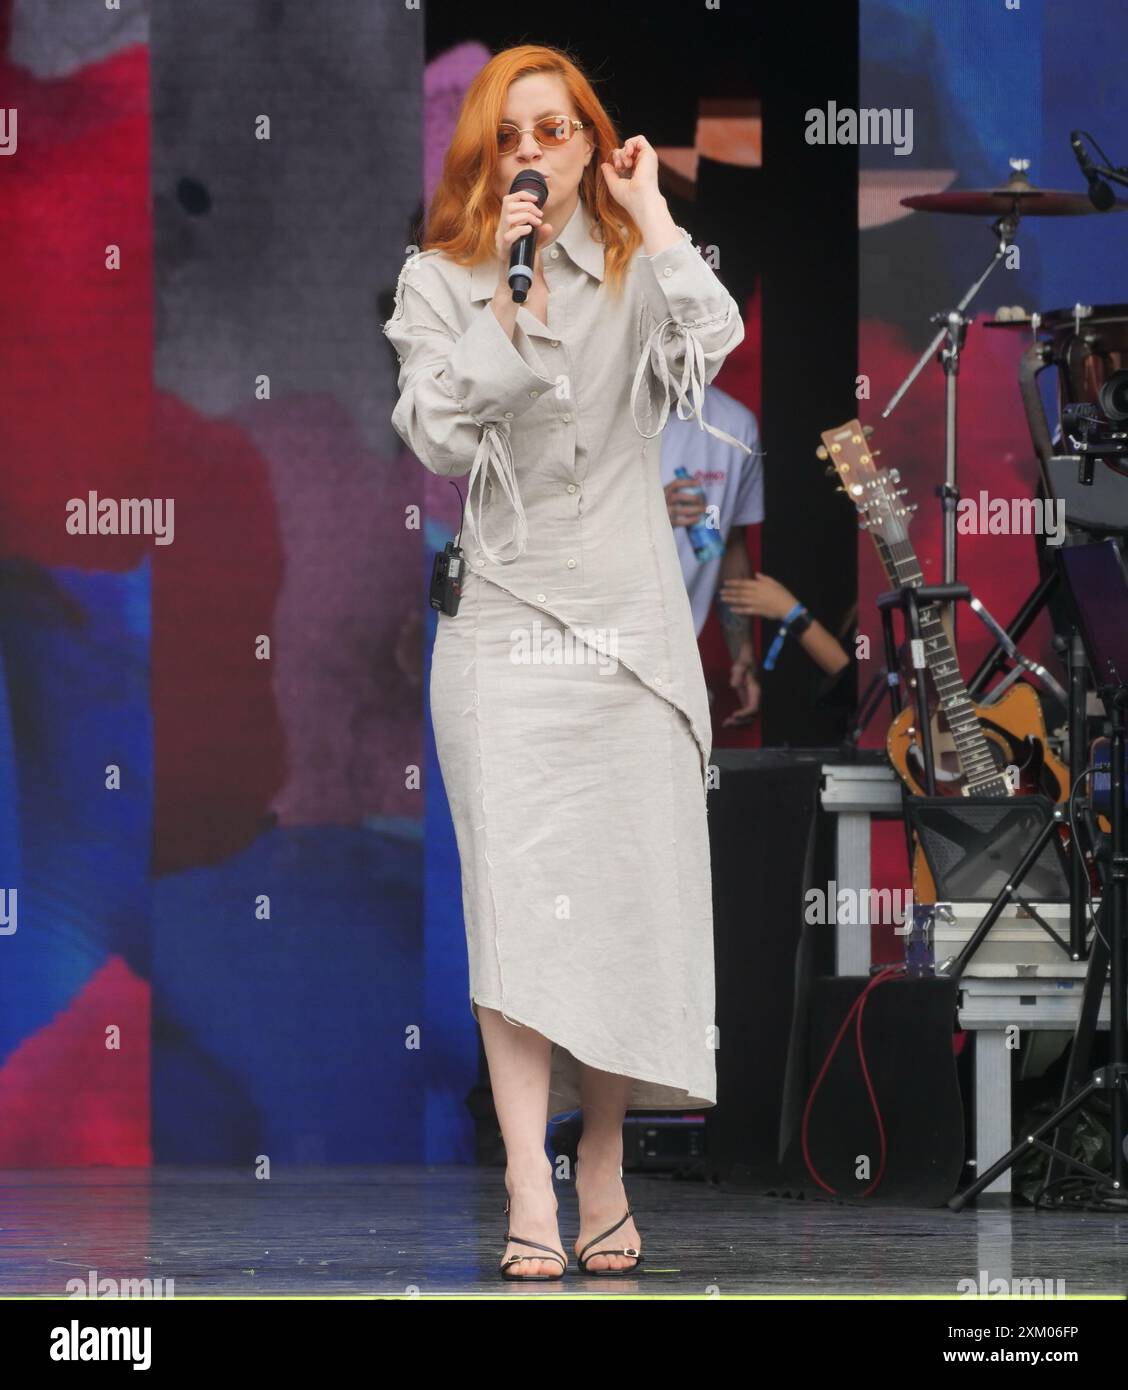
<point>854,793</point>
<point>992,998</point>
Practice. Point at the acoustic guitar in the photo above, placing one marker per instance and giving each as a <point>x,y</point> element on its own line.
<point>999,749</point>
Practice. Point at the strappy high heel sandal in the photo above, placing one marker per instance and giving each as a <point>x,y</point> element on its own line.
<point>629,1251</point>
<point>510,1238</point>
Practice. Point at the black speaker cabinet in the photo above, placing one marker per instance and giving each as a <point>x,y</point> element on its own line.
<point>907,1028</point>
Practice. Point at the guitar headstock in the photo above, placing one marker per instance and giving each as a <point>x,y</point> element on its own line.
<point>872,490</point>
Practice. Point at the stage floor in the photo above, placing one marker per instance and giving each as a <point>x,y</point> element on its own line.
<point>396,1229</point>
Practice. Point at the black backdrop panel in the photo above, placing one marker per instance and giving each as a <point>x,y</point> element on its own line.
<point>793,222</point>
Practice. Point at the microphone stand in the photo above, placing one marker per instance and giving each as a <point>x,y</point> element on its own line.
<point>1117,174</point>
<point>954,329</point>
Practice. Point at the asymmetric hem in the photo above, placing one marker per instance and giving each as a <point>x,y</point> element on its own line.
<point>668,1095</point>
<point>578,806</point>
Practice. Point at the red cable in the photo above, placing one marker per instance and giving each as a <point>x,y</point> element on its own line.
<point>857,1009</point>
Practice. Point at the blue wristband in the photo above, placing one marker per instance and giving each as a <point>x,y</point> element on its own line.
<point>781,636</point>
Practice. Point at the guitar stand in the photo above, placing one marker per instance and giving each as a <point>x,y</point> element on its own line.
<point>1108,957</point>
<point>954,968</point>
<point>866,707</point>
<point>1098,589</point>
<point>1072,655</point>
<point>910,599</point>
<point>907,599</point>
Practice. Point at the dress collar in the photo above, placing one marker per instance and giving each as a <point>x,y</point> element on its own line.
<point>576,240</point>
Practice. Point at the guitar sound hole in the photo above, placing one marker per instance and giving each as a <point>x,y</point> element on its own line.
<point>1005,750</point>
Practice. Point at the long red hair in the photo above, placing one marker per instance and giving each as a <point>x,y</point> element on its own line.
<point>462,219</point>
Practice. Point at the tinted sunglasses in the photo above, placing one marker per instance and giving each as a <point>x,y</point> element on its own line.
<point>550,132</point>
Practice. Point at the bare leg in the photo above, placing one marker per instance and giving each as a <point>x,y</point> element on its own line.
<point>599,1182</point>
<point>519,1072</point>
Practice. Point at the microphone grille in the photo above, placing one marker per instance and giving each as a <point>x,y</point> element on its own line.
<point>531,178</point>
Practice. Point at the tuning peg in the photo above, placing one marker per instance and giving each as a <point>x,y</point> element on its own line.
<point>867,430</point>
<point>821,453</point>
<point>831,471</point>
<point>875,453</point>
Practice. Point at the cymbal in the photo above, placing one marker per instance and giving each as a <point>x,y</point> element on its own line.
<point>1018,194</point>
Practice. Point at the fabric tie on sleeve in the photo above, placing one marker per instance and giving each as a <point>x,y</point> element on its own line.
<point>691,388</point>
<point>493,453</point>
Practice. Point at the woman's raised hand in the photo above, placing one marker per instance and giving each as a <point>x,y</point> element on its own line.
<point>632,174</point>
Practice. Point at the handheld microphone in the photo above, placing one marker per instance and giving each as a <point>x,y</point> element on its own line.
<point>1100,194</point>
<point>522,251</point>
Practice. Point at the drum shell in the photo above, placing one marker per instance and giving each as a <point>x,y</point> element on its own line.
<point>1085,353</point>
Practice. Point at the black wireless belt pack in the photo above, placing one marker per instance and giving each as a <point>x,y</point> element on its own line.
<point>446,580</point>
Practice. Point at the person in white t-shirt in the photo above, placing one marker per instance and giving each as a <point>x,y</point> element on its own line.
<point>733,486</point>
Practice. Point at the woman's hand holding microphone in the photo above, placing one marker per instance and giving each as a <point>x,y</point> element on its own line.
<point>519,214</point>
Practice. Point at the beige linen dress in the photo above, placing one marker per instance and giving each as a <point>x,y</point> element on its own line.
<point>569,707</point>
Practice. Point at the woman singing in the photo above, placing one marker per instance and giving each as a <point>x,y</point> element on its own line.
<point>570,712</point>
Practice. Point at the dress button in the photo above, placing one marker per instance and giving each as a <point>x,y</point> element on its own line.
<point>567,419</point>
<point>540,598</point>
<point>554,253</point>
<point>657,680</point>
<point>571,564</point>
<point>571,487</point>
<point>555,343</point>
<point>509,415</point>
<point>479,561</point>
<point>668,271</point>
<point>534,394</point>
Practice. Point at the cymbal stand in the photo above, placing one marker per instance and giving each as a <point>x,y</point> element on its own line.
<point>948,344</point>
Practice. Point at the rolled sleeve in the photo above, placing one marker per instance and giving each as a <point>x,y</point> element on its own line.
<point>453,387</point>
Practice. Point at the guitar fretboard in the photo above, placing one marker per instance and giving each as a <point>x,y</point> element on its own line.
<point>982,776</point>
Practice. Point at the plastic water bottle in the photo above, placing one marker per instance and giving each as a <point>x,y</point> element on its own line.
<point>706,540</point>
